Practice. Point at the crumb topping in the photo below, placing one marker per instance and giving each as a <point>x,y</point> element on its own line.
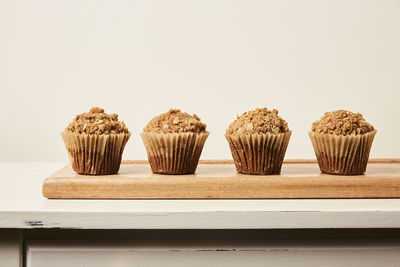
<point>175,121</point>
<point>342,122</point>
<point>97,122</point>
<point>258,121</point>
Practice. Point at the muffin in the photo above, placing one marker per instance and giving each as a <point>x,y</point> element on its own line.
<point>95,142</point>
<point>258,140</point>
<point>342,141</point>
<point>174,141</point>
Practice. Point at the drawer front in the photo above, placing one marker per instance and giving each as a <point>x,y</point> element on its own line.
<point>189,254</point>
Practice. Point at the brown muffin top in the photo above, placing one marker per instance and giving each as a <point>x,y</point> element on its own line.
<point>342,122</point>
<point>97,122</point>
<point>258,121</point>
<point>175,121</point>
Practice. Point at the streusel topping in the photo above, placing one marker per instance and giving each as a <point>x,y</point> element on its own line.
<point>258,121</point>
<point>97,122</point>
<point>175,121</point>
<point>342,122</point>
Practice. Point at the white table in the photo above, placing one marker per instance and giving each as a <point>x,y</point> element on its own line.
<point>22,206</point>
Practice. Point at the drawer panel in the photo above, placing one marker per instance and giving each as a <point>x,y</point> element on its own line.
<point>49,254</point>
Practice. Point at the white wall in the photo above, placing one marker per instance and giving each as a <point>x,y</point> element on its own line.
<point>217,58</point>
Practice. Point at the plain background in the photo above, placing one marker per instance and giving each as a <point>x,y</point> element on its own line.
<point>215,58</point>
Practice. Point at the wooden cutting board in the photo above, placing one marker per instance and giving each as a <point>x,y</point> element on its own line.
<point>219,180</point>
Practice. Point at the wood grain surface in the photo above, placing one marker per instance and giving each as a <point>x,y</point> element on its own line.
<point>219,180</point>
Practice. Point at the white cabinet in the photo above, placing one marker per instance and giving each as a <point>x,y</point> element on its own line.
<point>278,232</point>
<point>316,253</point>
<point>10,248</point>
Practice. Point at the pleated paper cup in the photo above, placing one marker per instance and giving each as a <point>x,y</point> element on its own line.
<point>174,153</point>
<point>342,155</point>
<point>259,154</point>
<point>95,154</point>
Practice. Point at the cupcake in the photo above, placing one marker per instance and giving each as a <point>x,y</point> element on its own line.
<point>95,142</point>
<point>258,140</point>
<point>174,141</point>
<point>342,141</point>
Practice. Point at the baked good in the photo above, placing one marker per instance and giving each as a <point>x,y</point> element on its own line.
<point>174,141</point>
<point>258,140</point>
<point>95,142</point>
<point>342,142</point>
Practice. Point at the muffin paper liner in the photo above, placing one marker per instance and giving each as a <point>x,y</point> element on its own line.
<point>343,155</point>
<point>174,153</point>
<point>95,154</point>
<point>260,154</point>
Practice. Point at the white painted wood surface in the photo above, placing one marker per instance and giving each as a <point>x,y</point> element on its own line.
<point>23,206</point>
<point>10,248</point>
<point>301,253</point>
